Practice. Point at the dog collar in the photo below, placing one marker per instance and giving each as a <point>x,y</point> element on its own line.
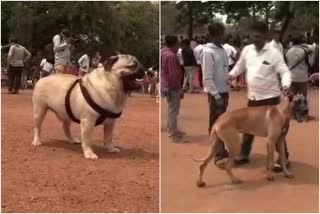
<point>102,112</point>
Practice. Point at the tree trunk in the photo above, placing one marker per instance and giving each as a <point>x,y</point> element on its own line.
<point>267,11</point>
<point>254,13</point>
<point>287,20</point>
<point>190,21</point>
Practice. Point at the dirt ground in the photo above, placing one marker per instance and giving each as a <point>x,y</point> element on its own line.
<point>55,177</point>
<point>256,194</point>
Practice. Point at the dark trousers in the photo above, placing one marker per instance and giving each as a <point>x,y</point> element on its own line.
<point>200,76</point>
<point>214,110</point>
<point>14,77</point>
<point>248,139</point>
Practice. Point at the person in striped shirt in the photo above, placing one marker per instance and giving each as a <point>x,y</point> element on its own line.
<point>171,87</point>
<point>17,57</point>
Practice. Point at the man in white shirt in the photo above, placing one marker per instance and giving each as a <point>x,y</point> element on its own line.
<point>262,62</point>
<point>62,51</point>
<point>276,41</point>
<point>84,63</point>
<point>197,52</point>
<point>46,68</point>
<point>231,52</point>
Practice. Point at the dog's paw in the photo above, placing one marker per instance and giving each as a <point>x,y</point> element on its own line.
<point>36,143</point>
<point>90,155</point>
<point>201,183</point>
<point>112,149</point>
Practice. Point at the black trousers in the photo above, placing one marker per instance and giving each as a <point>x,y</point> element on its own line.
<point>248,139</point>
<point>214,110</point>
<point>14,77</point>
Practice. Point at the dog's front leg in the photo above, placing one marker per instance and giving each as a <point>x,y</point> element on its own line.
<point>87,127</point>
<point>270,154</point>
<point>107,131</point>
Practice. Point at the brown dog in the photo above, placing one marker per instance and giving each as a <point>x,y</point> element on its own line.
<point>265,121</point>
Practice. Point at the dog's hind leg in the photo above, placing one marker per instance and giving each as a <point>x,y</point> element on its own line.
<point>213,151</point>
<point>232,140</point>
<point>67,132</point>
<point>39,113</point>
<point>87,127</point>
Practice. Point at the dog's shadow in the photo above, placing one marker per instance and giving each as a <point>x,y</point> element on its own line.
<point>304,174</point>
<point>127,153</point>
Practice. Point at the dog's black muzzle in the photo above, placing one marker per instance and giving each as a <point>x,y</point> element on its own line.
<point>130,81</point>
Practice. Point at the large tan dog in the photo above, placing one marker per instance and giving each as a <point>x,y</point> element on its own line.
<point>266,121</point>
<point>108,88</point>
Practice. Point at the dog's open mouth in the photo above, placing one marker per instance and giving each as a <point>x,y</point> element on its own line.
<point>133,81</point>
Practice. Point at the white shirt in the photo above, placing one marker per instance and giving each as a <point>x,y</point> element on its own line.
<point>231,52</point>
<point>197,52</point>
<point>46,66</point>
<point>261,71</point>
<point>179,54</point>
<point>277,45</point>
<point>61,50</point>
<point>84,63</point>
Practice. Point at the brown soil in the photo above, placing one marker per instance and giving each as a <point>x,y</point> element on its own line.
<point>256,194</point>
<point>55,177</point>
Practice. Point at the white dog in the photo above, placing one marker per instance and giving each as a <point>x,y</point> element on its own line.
<point>97,98</point>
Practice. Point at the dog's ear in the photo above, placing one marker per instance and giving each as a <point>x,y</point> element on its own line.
<point>109,63</point>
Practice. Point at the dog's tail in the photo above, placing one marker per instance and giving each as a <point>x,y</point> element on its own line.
<point>214,140</point>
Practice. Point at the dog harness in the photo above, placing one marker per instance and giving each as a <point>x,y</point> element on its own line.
<point>103,112</point>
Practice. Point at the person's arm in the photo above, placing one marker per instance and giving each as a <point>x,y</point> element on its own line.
<point>10,54</point>
<point>57,45</point>
<point>281,68</point>
<point>164,74</point>
<point>27,55</point>
<point>42,64</point>
<point>81,60</point>
<point>240,65</point>
<point>207,65</point>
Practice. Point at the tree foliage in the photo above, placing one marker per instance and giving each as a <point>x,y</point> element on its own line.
<point>99,26</point>
<point>237,11</point>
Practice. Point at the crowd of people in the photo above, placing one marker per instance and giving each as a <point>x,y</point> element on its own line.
<point>56,57</point>
<point>268,66</point>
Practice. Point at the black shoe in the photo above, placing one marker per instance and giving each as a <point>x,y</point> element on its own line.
<point>242,161</point>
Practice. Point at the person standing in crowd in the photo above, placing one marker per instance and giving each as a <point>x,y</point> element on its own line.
<point>62,51</point>
<point>276,41</point>
<point>214,63</point>
<point>197,52</point>
<point>84,63</point>
<point>194,43</point>
<point>298,63</point>
<point>17,57</point>
<point>189,64</point>
<point>230,51</point>
<point>46,68</point>
<point>171,87</point>
<point>262,62</point>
